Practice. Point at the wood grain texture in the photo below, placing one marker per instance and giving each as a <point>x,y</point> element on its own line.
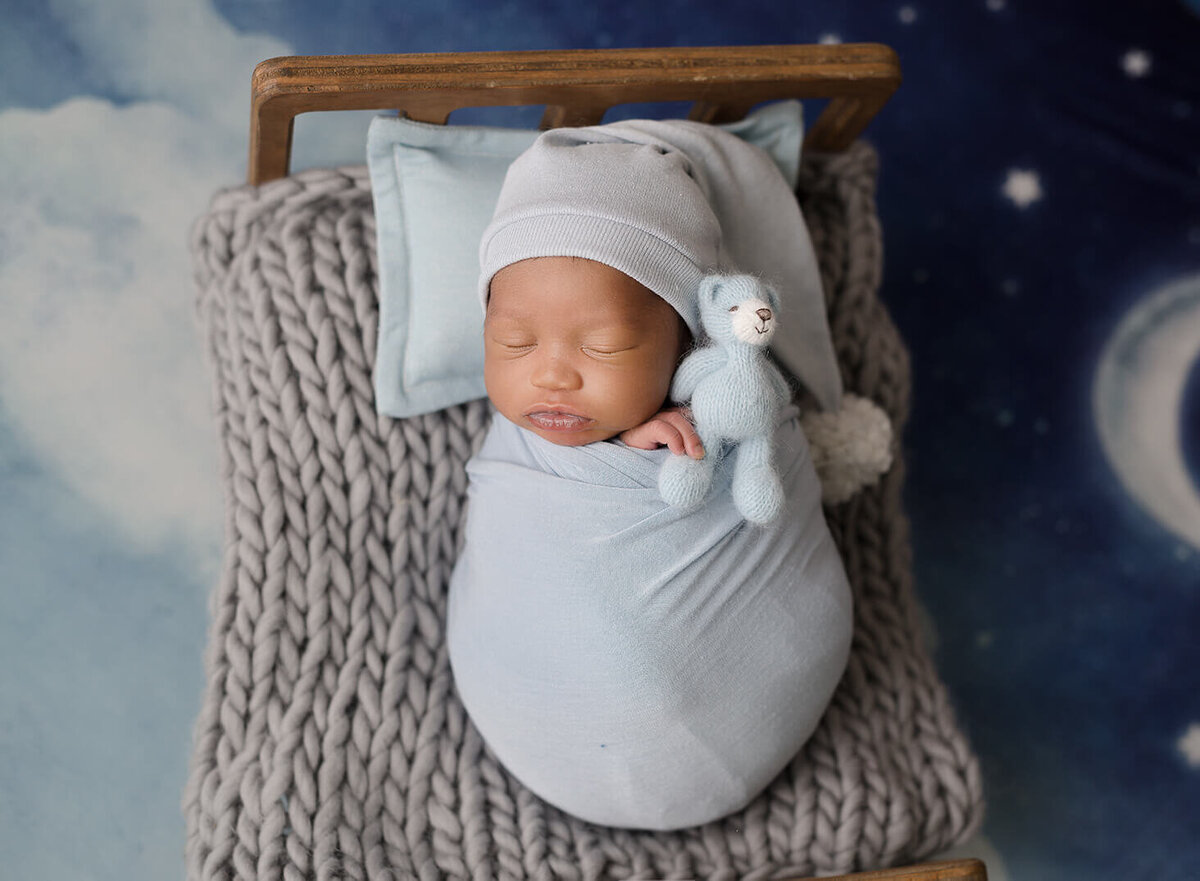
<point>577,87</point>
<point>948,870</point>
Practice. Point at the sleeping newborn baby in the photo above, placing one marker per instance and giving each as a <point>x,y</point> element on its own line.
<point>634,664</point>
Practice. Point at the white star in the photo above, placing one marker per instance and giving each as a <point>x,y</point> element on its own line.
<point>829,39</point>
<point>907,15</point>
<point>1023,187</point>
<point>1136,63</point>
<point>1189,745</point>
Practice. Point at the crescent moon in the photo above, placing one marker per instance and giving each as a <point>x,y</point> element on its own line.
<point>1137,398</point>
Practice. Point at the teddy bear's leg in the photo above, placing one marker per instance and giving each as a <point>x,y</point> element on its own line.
<point>757,492</point>
<point>684,482</point>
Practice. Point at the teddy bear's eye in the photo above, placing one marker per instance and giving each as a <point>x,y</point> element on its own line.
<point>733,308</point>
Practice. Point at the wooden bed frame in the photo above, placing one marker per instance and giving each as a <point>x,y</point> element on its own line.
<point>577,87</point>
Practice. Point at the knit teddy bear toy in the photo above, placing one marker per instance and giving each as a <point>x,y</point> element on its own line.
<point>736,394</point>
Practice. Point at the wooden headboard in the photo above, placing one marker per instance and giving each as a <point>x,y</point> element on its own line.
<point>577,86</point>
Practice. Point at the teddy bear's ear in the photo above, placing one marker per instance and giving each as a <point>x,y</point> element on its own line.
<point>772,296</point>
<point>710,286</point>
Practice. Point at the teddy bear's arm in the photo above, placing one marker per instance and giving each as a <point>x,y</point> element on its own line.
<point>694,368</point>
<point>779,384</point>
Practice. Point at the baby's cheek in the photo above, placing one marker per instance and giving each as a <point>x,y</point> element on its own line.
<point>664,376</point>
<point>499,382</point>
<point>648,399</point>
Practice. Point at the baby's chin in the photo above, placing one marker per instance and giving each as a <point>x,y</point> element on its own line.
<point>577,438</point>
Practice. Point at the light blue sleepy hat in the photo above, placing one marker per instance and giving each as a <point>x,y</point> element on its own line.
<point>668,202</point>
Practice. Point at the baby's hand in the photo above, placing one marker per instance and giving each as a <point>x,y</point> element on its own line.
<point>670,427</point>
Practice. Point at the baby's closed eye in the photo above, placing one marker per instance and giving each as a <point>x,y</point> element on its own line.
<point>511,348</point>
<point>607,351</point>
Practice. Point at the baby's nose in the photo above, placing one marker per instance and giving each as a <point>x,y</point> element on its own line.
<point>764,314</point>
<point>555,373</point>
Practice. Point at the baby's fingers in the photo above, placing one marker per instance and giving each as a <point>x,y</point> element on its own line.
<point>687,441</point>
<point>673,439</point>
<point>642,438</point>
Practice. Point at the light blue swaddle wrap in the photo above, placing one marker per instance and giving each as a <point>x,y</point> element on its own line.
<point>632,664</point>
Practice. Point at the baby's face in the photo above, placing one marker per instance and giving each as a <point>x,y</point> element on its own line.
<point>576,351</point>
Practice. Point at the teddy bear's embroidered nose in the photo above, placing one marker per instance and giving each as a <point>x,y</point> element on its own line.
<point>764,314</point>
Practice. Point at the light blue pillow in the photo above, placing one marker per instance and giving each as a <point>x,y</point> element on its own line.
<point>435,188</point>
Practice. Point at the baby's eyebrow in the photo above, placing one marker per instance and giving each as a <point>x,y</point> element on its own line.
<point>604,328</point>
<point>503,314</point>
<point>619,331</point>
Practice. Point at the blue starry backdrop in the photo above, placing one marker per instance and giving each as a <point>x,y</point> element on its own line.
<point>1040,198</point>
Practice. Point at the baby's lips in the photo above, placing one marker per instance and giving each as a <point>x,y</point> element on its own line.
<point>557,420</point>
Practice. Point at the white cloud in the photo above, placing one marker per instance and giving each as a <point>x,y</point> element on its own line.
<point>183,53</point>
<point>178,51</point>
<point>99,358</point>
<point>100,362</point>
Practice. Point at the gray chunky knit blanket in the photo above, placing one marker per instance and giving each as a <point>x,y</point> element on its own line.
<point>331,744</point>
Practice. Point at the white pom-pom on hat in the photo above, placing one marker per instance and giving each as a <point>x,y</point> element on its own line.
<point>851,446</point>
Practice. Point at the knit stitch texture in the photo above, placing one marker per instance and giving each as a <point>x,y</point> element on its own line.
<point>330,743</point>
